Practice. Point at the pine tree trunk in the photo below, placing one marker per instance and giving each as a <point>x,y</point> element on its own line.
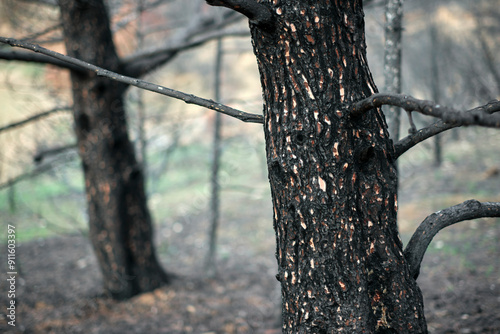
<point>332,179</point>
<point>119,221</point>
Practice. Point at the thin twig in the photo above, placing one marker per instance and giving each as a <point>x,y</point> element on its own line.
<point>33,118</point>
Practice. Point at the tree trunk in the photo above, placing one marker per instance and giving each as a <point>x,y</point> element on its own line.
<point>392,60</point>
<point>435,87</point>
<point>332,178</point>
<point>119,221</point>
<point>210,263</point>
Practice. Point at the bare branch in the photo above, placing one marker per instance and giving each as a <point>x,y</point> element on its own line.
<point>41,33</point>
<point>144,62</point>
<point>471,209</point>
<point>373,3</point>
<point>258,13</point>
<point>43,2</point>
<point>36,58</point>
<point>187,98</point>
<point>201,30</point>
<point>436,128</point>
<point>26,176</point>
<point>33,118</point>
<point>411,140</point>
<point>140,63</point>
<point>40,155</point>
<point>482,116</point>
<point>131,14</point>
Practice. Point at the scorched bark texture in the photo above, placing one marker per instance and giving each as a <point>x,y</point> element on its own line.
<point>119,221</point>
<point>332,177</point>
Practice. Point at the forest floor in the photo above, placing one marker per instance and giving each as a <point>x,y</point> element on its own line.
<point>59,285</point>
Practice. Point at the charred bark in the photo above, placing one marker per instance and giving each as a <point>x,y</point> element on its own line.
<point>333,180</point>
<point>119,221</point>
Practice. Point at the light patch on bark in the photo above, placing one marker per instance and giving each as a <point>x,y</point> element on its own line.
<point>287,52</point>
<point>316,113</point>
<point>336,151</point>
<point>322,184</point>
<point>311,243</point>
<point>308,89</point>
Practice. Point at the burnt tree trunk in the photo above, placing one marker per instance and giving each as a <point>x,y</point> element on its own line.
<point>333,181</point>
<point>119,221</point>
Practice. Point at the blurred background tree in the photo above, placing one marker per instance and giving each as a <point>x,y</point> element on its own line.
<point>119,220</point>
